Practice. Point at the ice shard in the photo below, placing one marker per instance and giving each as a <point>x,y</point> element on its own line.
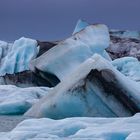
<point>65,57</point>
<point>95,88</point>
<point>15,100</point>
<point>80,26</point>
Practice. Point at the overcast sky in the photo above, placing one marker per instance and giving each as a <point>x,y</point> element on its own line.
<point>56,19</point>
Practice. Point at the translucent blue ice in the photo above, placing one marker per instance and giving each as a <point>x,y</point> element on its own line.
<point>16,100</point>
<point>17,56</point>
<point>129,66</point>
<point>77,95</point>
<point>80,26</point>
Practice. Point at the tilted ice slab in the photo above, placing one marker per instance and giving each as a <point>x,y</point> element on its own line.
<point>15,100</point>
<point>122,47</point>
<point>129,66</point>
<point>123,43</point>
<point>95,88</point>
<point>16,57</point>
<point>65,57</point>
<point>78,128</point>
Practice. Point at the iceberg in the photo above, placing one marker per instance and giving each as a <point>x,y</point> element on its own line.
<point>44,46</point>
<point>65,57</point>
<point>129,66</point>
<point>77,128</point>
<point>95,88</point>
<point>16,57</point>
<point>15,100</point>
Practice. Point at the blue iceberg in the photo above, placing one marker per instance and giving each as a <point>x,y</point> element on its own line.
<point>17,56</point>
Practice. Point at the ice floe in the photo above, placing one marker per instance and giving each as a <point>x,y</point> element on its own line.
<point>78,128</point>
<point>15,100</point>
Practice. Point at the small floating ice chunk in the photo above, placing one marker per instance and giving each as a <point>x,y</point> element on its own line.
<point>129,66</point>
<point>80,26</point>
<point>15,100</point>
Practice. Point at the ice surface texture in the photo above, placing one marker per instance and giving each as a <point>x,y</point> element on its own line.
<point>76,129</point>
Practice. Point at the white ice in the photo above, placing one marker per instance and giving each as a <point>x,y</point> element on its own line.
<point>15,100</point>
<point>65,57</point>
<point>78,128</point>
<point>16,57</point>
<point>76,96</point>
<point>80,26</point>
<point>129,66</point>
